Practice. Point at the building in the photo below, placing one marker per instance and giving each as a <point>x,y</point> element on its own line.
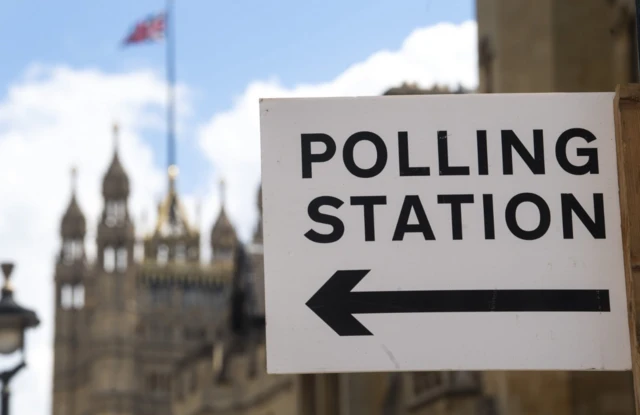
<point>556,45</point>
<point>228,374</point>
<point>125,321</point>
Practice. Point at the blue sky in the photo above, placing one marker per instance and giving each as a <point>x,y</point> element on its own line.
<point>221,46</point>
<point>229,54</point>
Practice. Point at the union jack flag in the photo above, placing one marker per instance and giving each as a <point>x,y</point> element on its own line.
<point>149,29</point>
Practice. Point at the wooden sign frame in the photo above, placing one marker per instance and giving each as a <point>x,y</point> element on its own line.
<point>627,129</point>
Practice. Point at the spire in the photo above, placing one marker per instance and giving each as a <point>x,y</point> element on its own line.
<point>74,181</point>
<point>172,172</point>
<point>116,138</point>
<point>222,194</point>
<point>223,233</point>
<point>73,221</point>
<point>172,219</point>
<point>116,182</point>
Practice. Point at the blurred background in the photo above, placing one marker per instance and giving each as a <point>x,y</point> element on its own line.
<point>130,190</point>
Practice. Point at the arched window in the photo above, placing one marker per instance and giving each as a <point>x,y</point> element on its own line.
<point>121,259</point>
<point>163,254</point>
<point>66,296</point>
<point>78,296</point>
<point>109,259</point>
<point>160,295</point>
<point>181,252</point>
<point>72,250</point>
<point>115,212</point>
<point>138,251</point>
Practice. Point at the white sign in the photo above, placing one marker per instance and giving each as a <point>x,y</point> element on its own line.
<point>450,232</point>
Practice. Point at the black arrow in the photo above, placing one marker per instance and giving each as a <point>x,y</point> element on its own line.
<point>335,302</point>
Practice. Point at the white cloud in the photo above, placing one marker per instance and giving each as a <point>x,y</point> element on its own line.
<point>443,54</point>
<point>52,119</point>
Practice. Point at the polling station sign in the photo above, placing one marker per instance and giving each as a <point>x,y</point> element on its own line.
<point>442,232</point>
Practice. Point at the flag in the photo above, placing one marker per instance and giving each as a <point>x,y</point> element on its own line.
<point>150,29</point>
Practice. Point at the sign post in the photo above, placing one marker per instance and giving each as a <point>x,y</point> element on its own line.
<point>443,232</point>
<point>627,125</point>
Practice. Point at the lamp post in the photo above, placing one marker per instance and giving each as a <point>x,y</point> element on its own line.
<point>14,320</point>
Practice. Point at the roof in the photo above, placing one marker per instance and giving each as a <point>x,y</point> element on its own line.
<point>115,184</point>
<point>414,89</point>
<point>74,224</point>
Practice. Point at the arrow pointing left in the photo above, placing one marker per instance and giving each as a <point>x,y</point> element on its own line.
<point>335,302</point>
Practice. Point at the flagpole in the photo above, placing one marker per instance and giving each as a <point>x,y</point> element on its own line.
<point>171,75</point>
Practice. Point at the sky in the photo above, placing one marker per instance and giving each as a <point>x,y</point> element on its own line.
<point>65,79</point>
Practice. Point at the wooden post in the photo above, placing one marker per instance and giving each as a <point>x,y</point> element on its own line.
<point>627,127</point>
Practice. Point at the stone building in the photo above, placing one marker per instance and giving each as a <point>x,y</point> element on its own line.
<point>124,322</point>
<point>555,45</point>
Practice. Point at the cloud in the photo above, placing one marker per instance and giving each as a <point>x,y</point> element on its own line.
<point>443,54</point>
<point>51,119</point>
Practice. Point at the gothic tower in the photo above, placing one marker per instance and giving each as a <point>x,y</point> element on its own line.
<point>179,299</point>
<point>174,239</point>
<point>71,275</point>
<point>114,316</point>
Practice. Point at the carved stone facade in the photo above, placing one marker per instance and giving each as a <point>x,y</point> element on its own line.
<point>126,323</point>
<point>555,45</point>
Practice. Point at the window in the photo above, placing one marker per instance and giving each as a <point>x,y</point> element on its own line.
<point>223,253</point>
<point>72,296</point>
<point>78,296</point>
<point>181,252</point>
<point>193,252</point>
<point>199,295</point>
<point>116,212</point>
<point>109,259</point>
<point>66,296</point>
<point>121,259</point>
<point>191,296</point>
<point>72,250</point>
<point>160,295</point>
<point>138,251</point>
<point>163,254</point>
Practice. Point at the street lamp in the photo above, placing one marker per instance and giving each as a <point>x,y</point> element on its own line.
<point>14,320</point>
